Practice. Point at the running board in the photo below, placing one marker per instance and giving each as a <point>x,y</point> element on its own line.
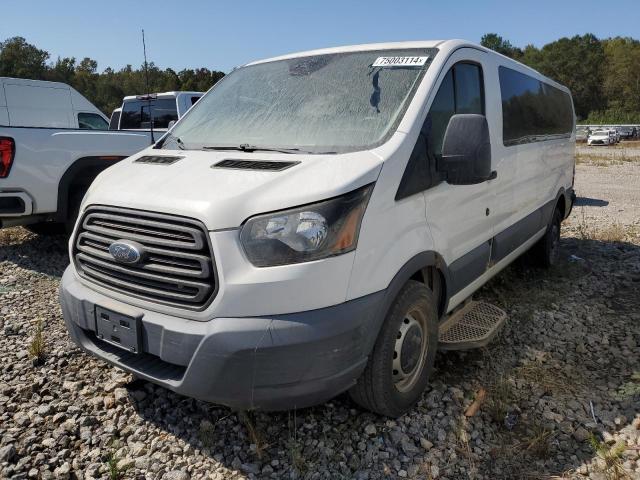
<point>473,326</point>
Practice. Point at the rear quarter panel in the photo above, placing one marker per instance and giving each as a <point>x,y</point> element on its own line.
<point>43,155</point>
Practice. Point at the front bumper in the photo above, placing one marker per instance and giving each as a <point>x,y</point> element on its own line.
<point>274,362</point>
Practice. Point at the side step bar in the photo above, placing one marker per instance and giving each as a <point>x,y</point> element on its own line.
<point>472,326</point>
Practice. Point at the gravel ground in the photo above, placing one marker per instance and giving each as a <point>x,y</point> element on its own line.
<point>561,383</point>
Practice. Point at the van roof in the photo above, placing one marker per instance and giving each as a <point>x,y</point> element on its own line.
<point>173,94</point>
<point>41,83</point>
<point>446,46</point>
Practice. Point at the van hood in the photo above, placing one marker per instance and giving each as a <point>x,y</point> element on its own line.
<point>224,198</point>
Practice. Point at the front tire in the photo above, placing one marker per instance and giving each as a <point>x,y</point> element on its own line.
<point>402,359</point>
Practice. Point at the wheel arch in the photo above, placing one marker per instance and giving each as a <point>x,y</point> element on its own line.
<point>418,268</point>
<point>80,174</point>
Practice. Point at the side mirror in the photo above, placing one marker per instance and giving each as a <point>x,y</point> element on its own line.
<point>466,150</point>
<point>171,124</point>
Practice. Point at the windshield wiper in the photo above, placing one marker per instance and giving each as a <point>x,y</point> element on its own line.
<point>245,147</point>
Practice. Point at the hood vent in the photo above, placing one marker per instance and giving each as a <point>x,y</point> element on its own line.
<point>254,165</point>
<point>157,159</point>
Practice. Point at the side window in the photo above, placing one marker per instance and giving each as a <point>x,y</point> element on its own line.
<point>469,95</point>
<point>461,91</point>
<point>194,100</point>
<point>92,121</point>
<point>442,109</point>
<point>532,110</point>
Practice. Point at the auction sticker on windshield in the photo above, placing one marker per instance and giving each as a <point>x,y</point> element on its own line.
<point>400,61</point>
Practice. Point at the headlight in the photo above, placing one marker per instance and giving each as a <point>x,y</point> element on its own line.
<point>306,233</point>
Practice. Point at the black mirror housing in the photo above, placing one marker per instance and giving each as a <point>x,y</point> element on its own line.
<point>466,150</point>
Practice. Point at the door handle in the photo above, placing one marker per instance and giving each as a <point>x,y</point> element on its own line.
<point>493,175</point>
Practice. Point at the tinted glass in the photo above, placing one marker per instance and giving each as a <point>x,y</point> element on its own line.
<point>194,100</point>
<point>532,110</point>
<point>442,109</point>
<point>135,113</point>
<point>92,121</point>
<point>461,91</point>
<point>468,83</point>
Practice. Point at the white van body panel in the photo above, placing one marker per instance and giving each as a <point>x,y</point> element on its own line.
<point>37,103</point>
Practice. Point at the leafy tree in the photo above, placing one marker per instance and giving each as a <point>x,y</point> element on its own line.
<point>622,75</point>
<point>63,70</point>
<point>578,63</point>
<point>21,59</point>
<point>497,43</point>
<point>603,75</point>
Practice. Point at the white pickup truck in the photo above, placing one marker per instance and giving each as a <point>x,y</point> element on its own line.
<point>166,109</point>
<point>53,143</point>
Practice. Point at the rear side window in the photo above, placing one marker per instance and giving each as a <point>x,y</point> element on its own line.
<point>92,121</point>
<point>461,91</point>
<point>135,114</point>
<point>532,110</point>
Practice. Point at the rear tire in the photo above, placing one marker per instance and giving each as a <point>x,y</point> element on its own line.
<point>547,250</point>
<point>400,365</point>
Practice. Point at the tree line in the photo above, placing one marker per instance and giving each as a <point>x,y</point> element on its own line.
<point>603,74</point>
<point>105,90</point>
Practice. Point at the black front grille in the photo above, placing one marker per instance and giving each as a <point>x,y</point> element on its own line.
<point>177,267</point>
<point>254,165</point>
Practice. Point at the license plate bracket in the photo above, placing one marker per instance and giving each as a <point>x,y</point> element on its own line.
<point>120,330</point>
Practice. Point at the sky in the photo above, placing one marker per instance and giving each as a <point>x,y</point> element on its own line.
<point>220,35</point>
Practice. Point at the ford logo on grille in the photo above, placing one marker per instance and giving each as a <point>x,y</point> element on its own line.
<point>126,251</point>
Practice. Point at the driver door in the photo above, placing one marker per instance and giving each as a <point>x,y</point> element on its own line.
<point>459,216</point>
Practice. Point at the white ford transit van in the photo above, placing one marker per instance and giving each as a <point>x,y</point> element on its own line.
<point>318,222</point>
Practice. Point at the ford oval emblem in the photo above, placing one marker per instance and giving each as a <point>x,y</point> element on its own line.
<point>126,251</point>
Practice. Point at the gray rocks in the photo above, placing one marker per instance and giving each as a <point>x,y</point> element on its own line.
<point>7,453</point>
<point>176,475</point>
<point>570,344</point>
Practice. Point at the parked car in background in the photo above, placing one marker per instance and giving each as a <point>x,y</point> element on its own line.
<point>319,222</point>
<point>627,132</point>
<point>53,143</point>
<point>166,109</point>
<point>601,137</point>
<point>616,134</point>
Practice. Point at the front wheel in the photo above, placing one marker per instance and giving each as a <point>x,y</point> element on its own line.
<point>402,359</point>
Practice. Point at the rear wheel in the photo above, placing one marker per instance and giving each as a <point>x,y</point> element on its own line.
<point>547,250</point>
<point>403,356</point>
